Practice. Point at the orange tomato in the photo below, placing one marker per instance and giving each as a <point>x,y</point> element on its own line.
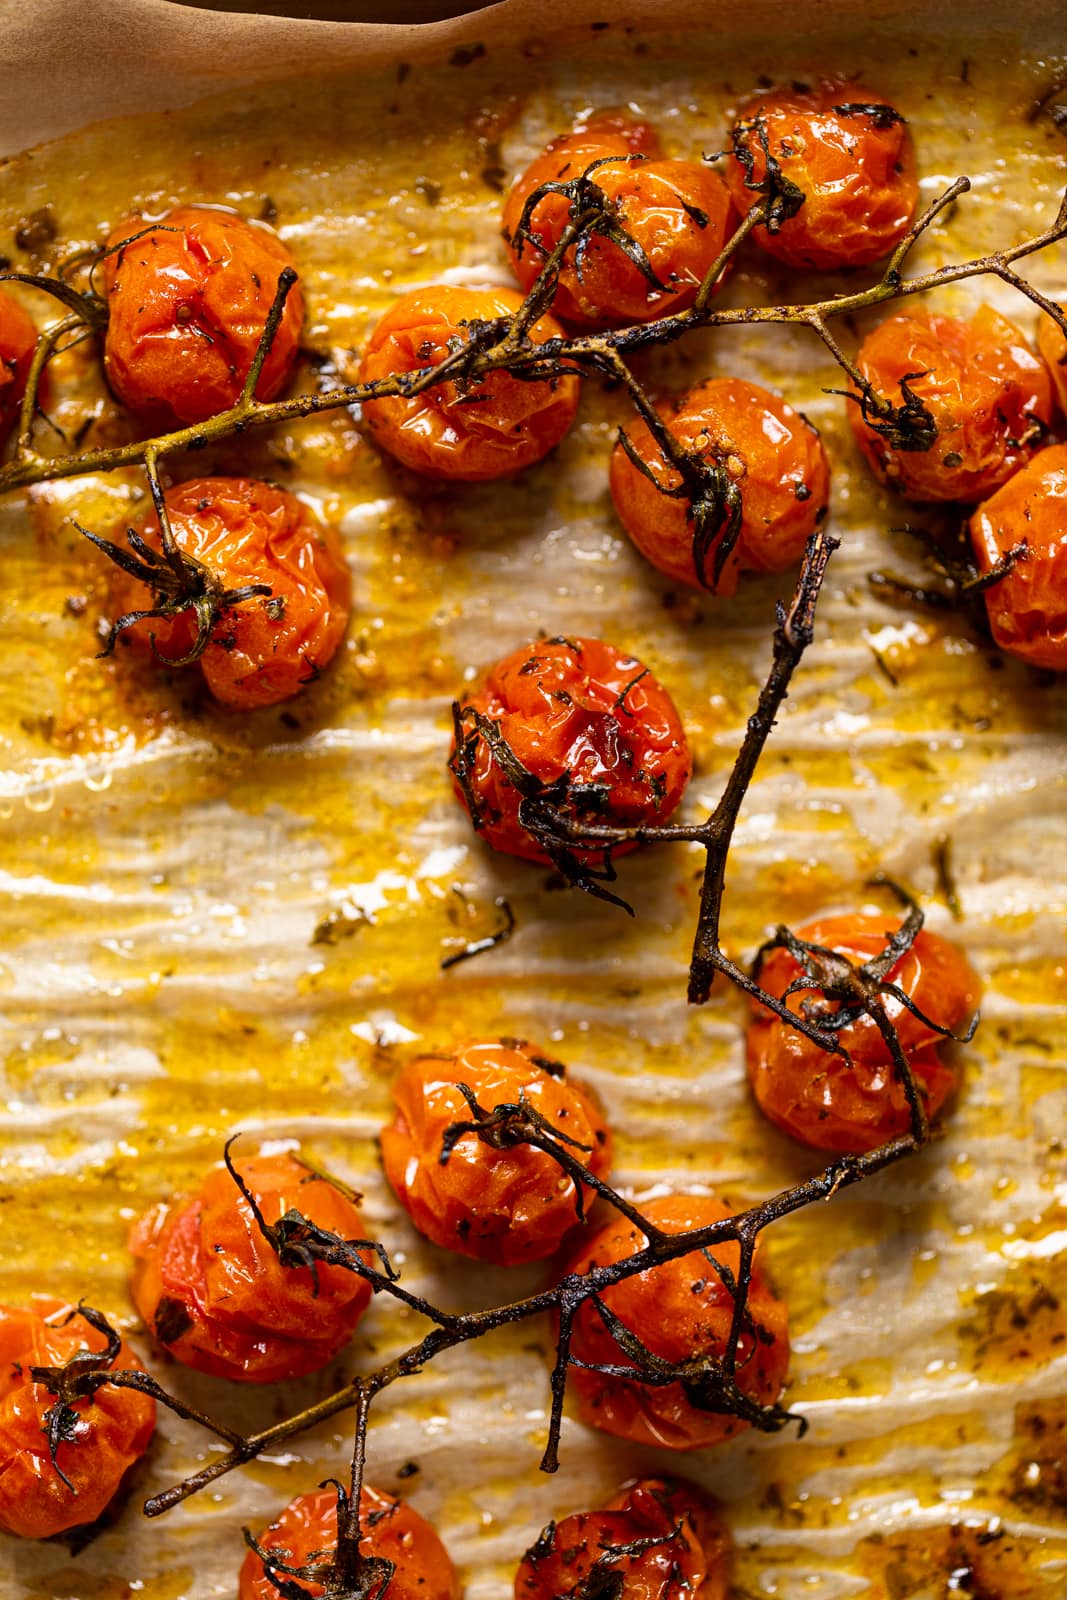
<point>984,387</point>
<point>187,305</point>
<point>490,428</point>
<point>1028,608</point>
<point>769,450</point>
<point>18,340</point>
<point>580,711</point>
<point>1052,347</point>
<point>678,213</point>
<point>113,1430</point>
<point>819,1098</point>
<point>681,1309</point>
<point>502,1205</point>
<point>214,1293</point>
<point>850,160</point>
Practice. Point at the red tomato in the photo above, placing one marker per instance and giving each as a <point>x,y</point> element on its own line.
<point>187,305</point>
<point>18,340</point>
<point>266,649</point>
<point>581,709</point>
<point>984,387</point>
<point>771,451</point>
<point>1028,608</point>
<point>677,212</point>
<point>851,158</point>
<point>501,1205</point>
<point>489,429</point>
<point>1053,349</point>
<point>113,1430</point>
<point>819,1098</point>
<point>689,1560</point>
<point>681,1310</point>
<point>306,1532</point>
<point>214,1293</point>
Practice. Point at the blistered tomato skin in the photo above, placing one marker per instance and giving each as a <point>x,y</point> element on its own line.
<point>681,1310</point>
<point>213,1291</point>
<point>18,339</point>
<point>833,1104</point>
<point>849,155</point>
<point>582,708</point>
<point>1027,609</point>
<point>113,1429</point>
<point>492,428</point>
<point>678,213</point>
<point>394,1532</point>
<point>985,388</point>
<point>773,454</point>
<point>504,1205</point>
<point>1052,347</point>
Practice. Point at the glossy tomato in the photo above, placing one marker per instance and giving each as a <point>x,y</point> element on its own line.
<point>681,1310</point>
<point>770,451</point>
<point>1028,608</point>
<point>213,1291</point>
<point>820,1098</point>
<point>187,304</point>
<point>489,428</point>
<point>113,1429</point>
<point>1052,347</point>
<point>504,1205</point>
<point>18,340</point>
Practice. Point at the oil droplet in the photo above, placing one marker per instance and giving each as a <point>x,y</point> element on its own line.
<point>41,799</point>
<point>97,782</point>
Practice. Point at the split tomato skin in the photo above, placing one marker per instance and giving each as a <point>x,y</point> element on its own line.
<point>820,1099</point>
<point>214,1293</point>
<point>18,340</point>
<point>505,1206</point>
<point>113,1430</point>
<point>1027,609</point>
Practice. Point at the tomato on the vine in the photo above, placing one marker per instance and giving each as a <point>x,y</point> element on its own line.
<point>18,340</point>
<point>1052,347</point>
<point>1028,607</point>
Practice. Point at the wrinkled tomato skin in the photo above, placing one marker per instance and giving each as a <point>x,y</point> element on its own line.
<point>395,1533</point>
<point>1052,347</point>
<point>506,1206</point>
<point>18,340</point>
<point>187,305</point>
<point>819,1098</point>
<point>267,649</point>
<point>494,428</point>
<point>680,1309</point>
<point>690,1559</point>
<point>656,199</point>
<point>985,388</point>
<point>771,451</point>
<point>214,1293</point>
<point>858,178</point>
<point>1028,608</point>
<point>557,703</point>
<point>114,1428</point>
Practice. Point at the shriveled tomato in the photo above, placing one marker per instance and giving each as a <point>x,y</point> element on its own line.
<point>825,1101</point>
<point>268,648</point>
<point>1052,347</point>
<point>985,392</point>
<point>18,339</point>
<point>679,1548</point>
<point>505,1205</point>
<point>680,1310</point>
<point>213,1291</point>
<point>306,1533</point>
<point>1028,608</point>
<point>770,451</point>
<point>112,1430</point>
<point>583,716</point>
<point>848,166</point>
<point>677,214</point>
<point>187,305</point>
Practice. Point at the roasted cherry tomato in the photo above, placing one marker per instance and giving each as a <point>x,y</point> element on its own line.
<point>1028,608</point>
<point>187,304</point>
<point>849,170</point>
<point>267,648</point>
<point>306,1534</point>
<point>771,452</point>
<point>1053,349</point>
<point>579,714</point>
<point>113,1429</point>
<point>681,1310</point>
<point>982,385</point>
<point>213,1291</point>
<point>678,1548</point>
<point>489,428</point>
<point>18,339</point>
<point>502,1204</point>
<point>830,1103</point>
<point>676,213</point>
